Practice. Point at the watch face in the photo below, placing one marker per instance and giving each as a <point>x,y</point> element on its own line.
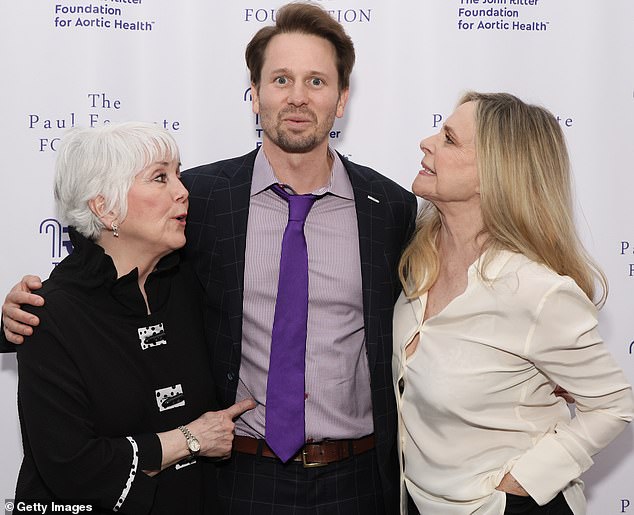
<point>194,445</point>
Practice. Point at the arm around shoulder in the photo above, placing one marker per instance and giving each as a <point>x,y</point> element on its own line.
<point>17,323</point>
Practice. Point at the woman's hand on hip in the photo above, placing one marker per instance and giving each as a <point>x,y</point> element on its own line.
<point>510,485</point>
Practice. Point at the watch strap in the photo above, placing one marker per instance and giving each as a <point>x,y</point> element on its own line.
<point>190,439</point>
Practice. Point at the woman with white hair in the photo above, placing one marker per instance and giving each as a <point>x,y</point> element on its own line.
<point>115,392</point>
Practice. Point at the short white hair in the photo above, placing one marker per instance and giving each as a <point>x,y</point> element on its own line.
<point>104,161</point>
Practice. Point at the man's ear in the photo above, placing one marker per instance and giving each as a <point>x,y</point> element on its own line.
<point>255,99</point>
<point>341,103</point>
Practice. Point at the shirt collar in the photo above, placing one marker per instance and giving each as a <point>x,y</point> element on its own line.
<point>339,185</point>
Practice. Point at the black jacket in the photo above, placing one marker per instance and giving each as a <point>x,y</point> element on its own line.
<point>216,240</point>
<point>99,377</point>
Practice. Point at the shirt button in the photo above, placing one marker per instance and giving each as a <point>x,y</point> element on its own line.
<point>401,385</point>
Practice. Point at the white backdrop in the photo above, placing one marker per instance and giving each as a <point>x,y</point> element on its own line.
<point>181,64</point>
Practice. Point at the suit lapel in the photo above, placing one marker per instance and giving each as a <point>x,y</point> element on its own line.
<point>370,207</point>
<point>232,208</point>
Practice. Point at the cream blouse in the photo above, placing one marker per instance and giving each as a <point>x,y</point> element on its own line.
<point>476,398</point>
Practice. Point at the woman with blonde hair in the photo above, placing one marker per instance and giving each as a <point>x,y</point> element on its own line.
<point>496,312</point>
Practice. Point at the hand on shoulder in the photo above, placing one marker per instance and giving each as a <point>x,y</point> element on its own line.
<point>16,322</point>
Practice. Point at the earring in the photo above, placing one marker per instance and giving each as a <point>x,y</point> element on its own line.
<point>115,229</point>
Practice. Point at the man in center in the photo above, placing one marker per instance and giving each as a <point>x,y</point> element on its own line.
<point>355,229</point>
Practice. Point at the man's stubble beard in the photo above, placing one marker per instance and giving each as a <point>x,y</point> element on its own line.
<point>295,143</point>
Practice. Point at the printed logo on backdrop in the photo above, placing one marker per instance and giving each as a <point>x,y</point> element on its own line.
<point>108,15</point>
<point>99,109</point>
<point>627,250</point>
<point>437,120</point>
<point>61,246</point>
<point>248,98</point>
<point>501,15</point>
<point>343,16</point>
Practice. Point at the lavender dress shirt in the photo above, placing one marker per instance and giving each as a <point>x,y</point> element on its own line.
<point>338,403</point>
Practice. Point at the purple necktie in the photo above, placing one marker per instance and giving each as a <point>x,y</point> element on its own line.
<point>285,388</point>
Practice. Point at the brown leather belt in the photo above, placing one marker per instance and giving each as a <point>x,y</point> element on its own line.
<point>312,454</point>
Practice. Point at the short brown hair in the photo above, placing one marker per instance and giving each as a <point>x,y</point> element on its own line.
<point>303,18</point>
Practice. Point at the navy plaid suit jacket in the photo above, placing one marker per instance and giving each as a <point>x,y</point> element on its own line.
<point>216,241</point>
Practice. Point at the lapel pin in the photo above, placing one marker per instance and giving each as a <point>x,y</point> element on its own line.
<point>373,199</point>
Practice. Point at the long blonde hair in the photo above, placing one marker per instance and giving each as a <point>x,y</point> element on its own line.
<point>525,197</point>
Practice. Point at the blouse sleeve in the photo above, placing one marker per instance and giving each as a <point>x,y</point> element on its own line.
<point>566,346</point>
<point>74,461</point>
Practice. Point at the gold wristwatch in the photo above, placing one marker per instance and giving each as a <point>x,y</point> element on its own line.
<point>193,445</point>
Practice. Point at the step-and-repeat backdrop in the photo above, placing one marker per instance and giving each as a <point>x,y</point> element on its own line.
<point>66,63</point>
